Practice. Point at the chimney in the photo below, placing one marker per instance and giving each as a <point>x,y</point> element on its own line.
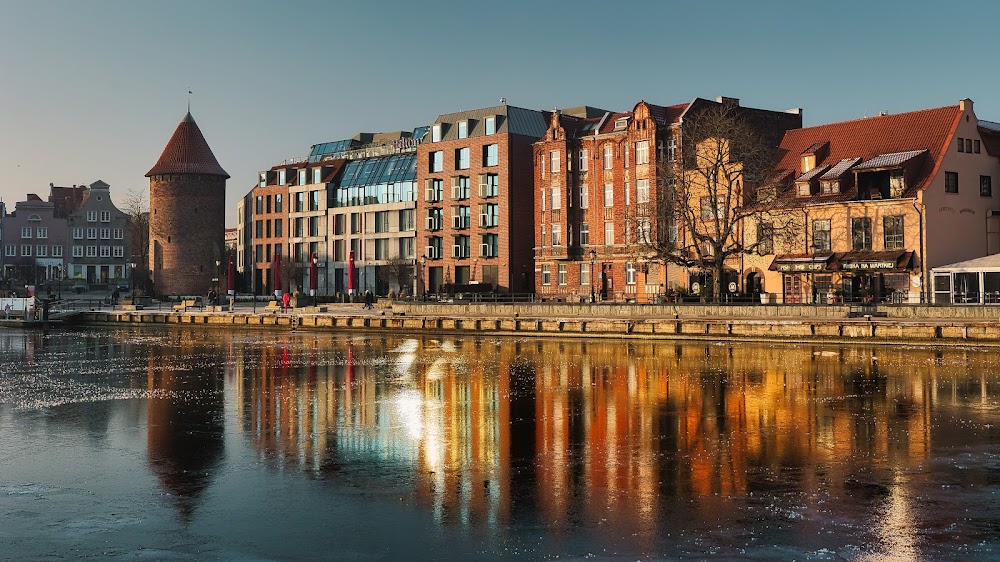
<point>794,111</point>
<point>965,104</point>
<point>728,101</point>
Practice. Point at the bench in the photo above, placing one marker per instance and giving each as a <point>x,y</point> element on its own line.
<point>273,306</point>
<point>185,304</point>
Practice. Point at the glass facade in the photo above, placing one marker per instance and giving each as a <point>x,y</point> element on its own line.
<point>386,179</point>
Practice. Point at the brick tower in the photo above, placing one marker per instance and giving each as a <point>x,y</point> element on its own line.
<point>187,220</point>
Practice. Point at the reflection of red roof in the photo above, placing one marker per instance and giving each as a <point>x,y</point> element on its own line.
<point>928,130</point>
<point>187,152</point>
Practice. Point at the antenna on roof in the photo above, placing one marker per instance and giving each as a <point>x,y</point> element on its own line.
<point>189,100</point>
<point>503,101</point>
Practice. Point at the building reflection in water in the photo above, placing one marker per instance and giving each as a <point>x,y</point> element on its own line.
<point>184,419</point>
<point>580,432</point>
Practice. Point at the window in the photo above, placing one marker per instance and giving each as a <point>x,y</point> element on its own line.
<point>893,232</point>
<point>557,235</point>
<point>541,164</point>
<point>561,279</point>
<point>435,190</point>
<point>554,161</point>
<point>460,217</point>
<point>435,217</point>
<point>462,158</point>
<point>105,216</point>
<point>57,251</point>
<point>556,198</point>
<point>277,202</point>
<point>381,248</point>
<point>986,186</point>
<point>355,223</point>
<point>968,145</point>
<point>339,224</point>
<point>263,183</point>
<point>91,251</point>
<point>105,234</point>
<point>436,133</point>
<point>585,274</point>
<point>258,229</point>
<point>77,251</point>
<point>42,232</point>
<point>961,144</point>
<point>608,157</point>
<point>317,175</point>
<point>642,191</point>
<point>119,234</point>
<point>406,247</point>
<point>490,245</point>
<point>821,235</point>
<point>277,228</point>
<point>491,125</point>
<point>542,243</point>
<point>461,247</point>
<point>381,221</point>
<point>313,226</point>
<point>489,215</point>
<point>25,232</point>
<point>861,233</point>
<point>463,129</point>
<point>25,249</point>
<point>583,160</point>
<point>671,149</point>
<point>314,200</point>
<point>642,152</point>
<point>644,231</point>
<point>299,227</point>
<point>282,177</point>
<point>609,195</point>
<point>91,234</point>
<point>300,202</point>
<point>91,216</point>
<point>546,274</point>
<point>10,250</point>
<point>488,185</point>
<point>609,233</point>
<point>765,238</point>
<point>491,155</point>
<point>436,161</point>
<point>584,234</point>
<point>267,204</point>
<point>105,251</point>
<point>118,251</point>
<point>975,146</point>
<point>951,182</point>
<point>708,213</point>
<point>41,250</point>
<point>460,187</point>
<point>541,198</point>
<point>628,194</point>
<point>406,220</point>
<point>584,197</point>
<point>629,273</point>
<point>77,234</point>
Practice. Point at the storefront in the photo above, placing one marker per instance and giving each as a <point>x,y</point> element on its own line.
<point>845,277</point>
<point>974,281</point>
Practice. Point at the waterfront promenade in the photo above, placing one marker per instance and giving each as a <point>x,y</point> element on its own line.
<point>951,325</point>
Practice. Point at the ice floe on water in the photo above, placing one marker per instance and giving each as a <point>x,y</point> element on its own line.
<point>28,391</point>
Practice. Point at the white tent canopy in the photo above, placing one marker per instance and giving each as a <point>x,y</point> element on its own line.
<point>975,281</point>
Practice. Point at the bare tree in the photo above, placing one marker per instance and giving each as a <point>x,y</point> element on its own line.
<point>717,202</point>
<point>398,270</point>
<point>136,207</point>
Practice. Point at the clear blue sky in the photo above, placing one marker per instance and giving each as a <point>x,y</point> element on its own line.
<point>93,90</point>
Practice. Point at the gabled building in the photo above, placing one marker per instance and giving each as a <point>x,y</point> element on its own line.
<point>476,205</point>
<point>882,200</point>
<point>99,248</point>
<point>34,241</point>
<point>597,175</point>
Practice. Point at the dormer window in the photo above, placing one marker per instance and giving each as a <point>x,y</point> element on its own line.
<point>621,123</point>
<point>803,189</point>
<point>491,125</point>
<point>263,179</point>
<point>463,129</point>
<point>34,218</point>
<point>829,187</point>
<point>808,163</point>
<point>884,176</point>
<point>436,132</point>
<point>281,177</point>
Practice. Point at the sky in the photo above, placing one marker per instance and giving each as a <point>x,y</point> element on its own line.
<point>93,90</point>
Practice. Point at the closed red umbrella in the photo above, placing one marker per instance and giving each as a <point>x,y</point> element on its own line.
<point>313,274</point>
<point>231,278</point>
<point>350,274</point>
<point>277,274</point>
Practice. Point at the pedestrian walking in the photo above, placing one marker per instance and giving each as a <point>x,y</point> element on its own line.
<point>369,300</point>
<point>285,299</point>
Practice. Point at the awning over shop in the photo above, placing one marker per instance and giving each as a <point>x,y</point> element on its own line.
<point>800,262</point>
<point>898,260</point>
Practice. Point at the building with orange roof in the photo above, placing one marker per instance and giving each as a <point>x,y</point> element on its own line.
<point>881,201</point>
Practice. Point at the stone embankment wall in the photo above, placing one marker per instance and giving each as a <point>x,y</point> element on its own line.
<point>855,330</point>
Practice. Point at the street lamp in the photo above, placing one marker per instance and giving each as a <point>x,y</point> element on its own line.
<point>218,272</point>
<point>423,261</point>
<point>593,261</point>
<point>131,266</point>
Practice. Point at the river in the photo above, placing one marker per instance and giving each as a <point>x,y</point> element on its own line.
<point>192,444</point>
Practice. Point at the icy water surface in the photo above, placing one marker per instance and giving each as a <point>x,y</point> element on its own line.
<point>178,444</point>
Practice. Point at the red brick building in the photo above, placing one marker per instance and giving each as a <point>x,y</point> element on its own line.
<point>596,174</point>
<point>476,207</point>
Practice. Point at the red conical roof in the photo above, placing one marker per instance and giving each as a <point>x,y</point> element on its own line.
<point>187,152</point>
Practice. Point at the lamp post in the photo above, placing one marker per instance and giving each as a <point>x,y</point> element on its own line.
<point>423,261</point>
<point>593,261</point>
<point>131,266</point>
<point>313,274</point>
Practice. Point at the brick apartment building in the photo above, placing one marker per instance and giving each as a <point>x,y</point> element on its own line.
<point>476,204</point>
<point>596,174</point>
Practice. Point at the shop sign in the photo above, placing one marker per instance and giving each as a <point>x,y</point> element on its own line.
<point>801,266</point>
<point>870,265</point>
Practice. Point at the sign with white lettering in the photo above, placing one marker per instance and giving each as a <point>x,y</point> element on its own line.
<point>801,266</point>
<point>869,265</point>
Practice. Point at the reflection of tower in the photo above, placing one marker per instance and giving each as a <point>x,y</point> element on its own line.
<point>185,432</point>
<point>187,201</point>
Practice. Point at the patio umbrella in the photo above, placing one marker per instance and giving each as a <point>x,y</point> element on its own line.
<point>350,274</point>
<point>312,276</point>
<point>277,274</point>
<point>231,278</point>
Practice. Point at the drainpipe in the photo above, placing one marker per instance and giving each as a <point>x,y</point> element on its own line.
<point>923,253</point>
